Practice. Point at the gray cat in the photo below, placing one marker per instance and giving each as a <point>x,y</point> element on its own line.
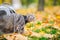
<point>11,22</point>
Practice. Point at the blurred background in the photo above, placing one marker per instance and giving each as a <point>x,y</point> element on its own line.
<point>23,4</point>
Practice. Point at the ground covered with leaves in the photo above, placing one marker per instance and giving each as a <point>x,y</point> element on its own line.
<point>45,27</point>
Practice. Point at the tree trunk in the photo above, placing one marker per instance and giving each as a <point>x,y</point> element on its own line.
<point>16,4</point>
<point>55,2</point>
<point>41,5</point>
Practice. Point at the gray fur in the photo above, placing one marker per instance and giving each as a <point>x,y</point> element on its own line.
<point>13,22</point>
